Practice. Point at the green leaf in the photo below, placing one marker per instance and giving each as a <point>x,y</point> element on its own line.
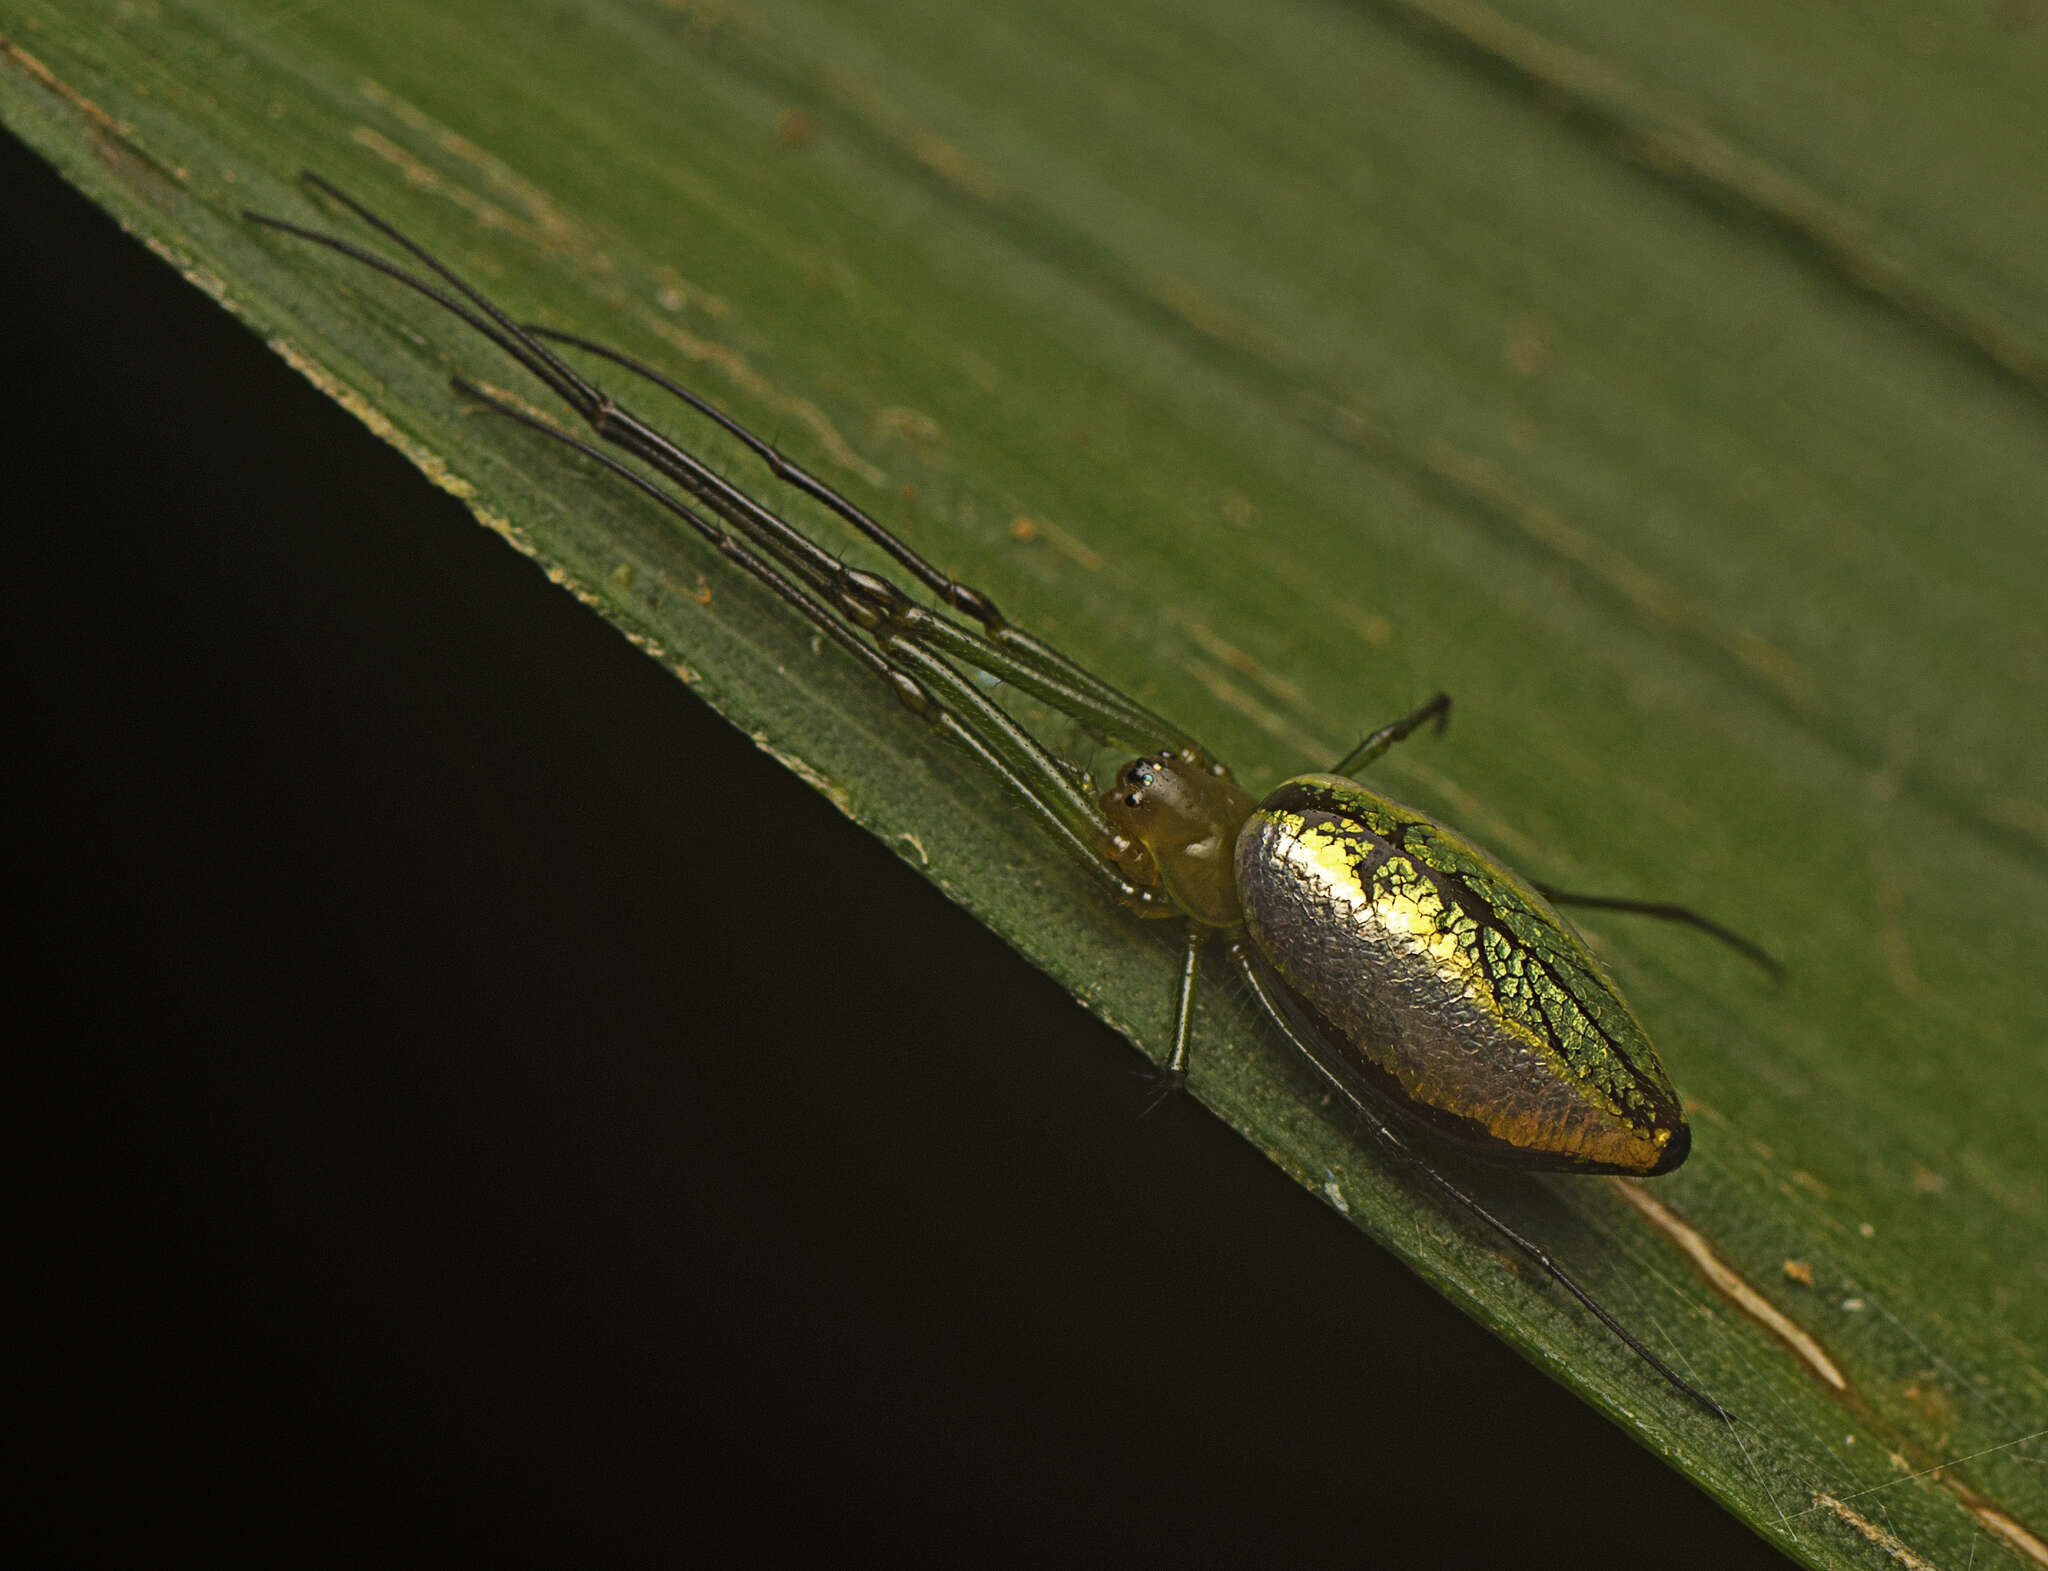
<point>1667,386</point>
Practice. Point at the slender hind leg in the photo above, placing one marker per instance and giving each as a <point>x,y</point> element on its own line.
<point>1248,968</point>
<point>1665,911</point>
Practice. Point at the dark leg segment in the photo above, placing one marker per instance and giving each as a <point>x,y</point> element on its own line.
<point>1005,650</point>
<point>1664,911</point>
<point>950,591</point>
<point>1437,709</point>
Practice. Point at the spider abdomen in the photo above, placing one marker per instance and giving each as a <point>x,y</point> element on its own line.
<point>1427,975</point>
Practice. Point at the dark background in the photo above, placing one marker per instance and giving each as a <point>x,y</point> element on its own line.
<point>398,1181</point>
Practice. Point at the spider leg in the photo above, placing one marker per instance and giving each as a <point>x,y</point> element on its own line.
<point>1437,709</point>
<point>912,649</point>
<point>1262,990</point>
<point>1665,911</point>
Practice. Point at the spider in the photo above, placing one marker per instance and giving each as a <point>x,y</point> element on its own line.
<point>1439,993</point>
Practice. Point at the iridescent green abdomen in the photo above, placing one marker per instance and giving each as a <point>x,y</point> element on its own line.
<point>1429,976</point>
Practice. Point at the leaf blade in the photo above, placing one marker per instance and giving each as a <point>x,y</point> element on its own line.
<point>1196,388</point>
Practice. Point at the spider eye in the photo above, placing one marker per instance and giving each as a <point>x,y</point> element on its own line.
<point>1131,800</point>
